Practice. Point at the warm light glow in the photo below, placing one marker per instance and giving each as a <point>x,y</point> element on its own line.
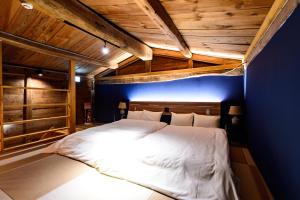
<point>77,79</point>
<point>28,6</point>
<point>114,61</point>
<point>163,46</point>
<point>219,54</point>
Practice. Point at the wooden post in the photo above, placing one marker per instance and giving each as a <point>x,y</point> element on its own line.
<point>72,98</point>
<point>148,66</point>
<point>1,101</point>
<point>190,63</point>
<point>27,111</point>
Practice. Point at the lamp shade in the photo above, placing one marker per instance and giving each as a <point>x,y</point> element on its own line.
<point>122,105</point>
<point>235,110</point>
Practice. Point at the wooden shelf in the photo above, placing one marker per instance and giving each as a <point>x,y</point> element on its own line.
<point>36,105</point>
<point>34,120</point>
<point>35,142</point>
<point>33,88</point>
<point>35,133</point>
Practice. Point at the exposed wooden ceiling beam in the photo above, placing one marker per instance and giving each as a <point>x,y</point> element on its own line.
<point>114,63</point>
<point>195,57</point>
<point>155,10</point>
<point>128,61</point>
<point>166,75</point>
<point>278,14</point>
<point>86,19</point>
<point>47,49</point>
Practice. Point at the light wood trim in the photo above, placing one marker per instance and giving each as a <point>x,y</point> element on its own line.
<point>72,97</point>
<point>195,57</point>
<point>47,49</point>
<point>278,14</point>
<point>214,108</point>
<point>81,16</point>
<point>35,142</point>
<point>35,120</point>
<point>35,133</point>
<point>36,105</point>
<point>166,75</point>
<point>148,66</point>
<point>158,14</point>
<point>34,88</point>
<point>1,100</point>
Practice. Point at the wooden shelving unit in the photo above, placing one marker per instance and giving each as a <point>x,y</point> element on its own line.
<point>69,104</point>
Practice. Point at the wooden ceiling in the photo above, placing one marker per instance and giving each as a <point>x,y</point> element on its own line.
<point>213,27</point>
<point>220,26</point>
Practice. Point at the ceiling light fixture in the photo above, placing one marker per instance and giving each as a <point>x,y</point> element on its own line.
<point>40,73</point>
<point>26,5</point>
<point>105,49</point>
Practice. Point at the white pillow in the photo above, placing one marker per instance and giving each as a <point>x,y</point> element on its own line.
<point>151,116</point>
<point>182,119</point>
<point>208,121</point>
<point>134,114</point>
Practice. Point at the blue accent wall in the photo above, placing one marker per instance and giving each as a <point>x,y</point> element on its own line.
<point>273,110</point>
<point>200,89</point>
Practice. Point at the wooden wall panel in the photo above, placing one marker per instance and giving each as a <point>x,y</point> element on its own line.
<point>159,63</point>
<point>201,64</point>
<point>163,63</point>
<point>16,76</point>
<point>134,68</point>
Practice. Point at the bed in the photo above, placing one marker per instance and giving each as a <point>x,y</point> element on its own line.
<point>130,159</point>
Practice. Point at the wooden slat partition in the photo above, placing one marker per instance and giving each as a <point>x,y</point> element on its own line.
<point>1,101</point>
<point>35,120</point>
<point>69,104</point>
<point>36,105</point>
<point>35,142</point>
<point>33,88</point>
<point>35,133</point>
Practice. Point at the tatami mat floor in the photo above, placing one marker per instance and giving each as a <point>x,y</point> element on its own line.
<point>251,183</point>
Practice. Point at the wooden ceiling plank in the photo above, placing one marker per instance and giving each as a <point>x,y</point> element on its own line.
<point>195,57</point>
<point>81,16</point>
<point>47,49</point>
<point>166,75</point>
<point>277,16</point>
<point>159,15</point>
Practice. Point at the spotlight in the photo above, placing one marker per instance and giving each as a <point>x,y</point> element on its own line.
<point>40,73</point>
<point>26,5</point>
<point>105,49</point>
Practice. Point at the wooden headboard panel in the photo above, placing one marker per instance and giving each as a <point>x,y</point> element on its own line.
<point>202,108</point>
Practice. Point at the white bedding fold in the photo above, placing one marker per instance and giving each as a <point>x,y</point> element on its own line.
<point>189,163</point>
<point>92,144</point>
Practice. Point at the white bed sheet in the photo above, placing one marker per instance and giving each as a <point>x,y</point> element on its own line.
<point>189,163</point>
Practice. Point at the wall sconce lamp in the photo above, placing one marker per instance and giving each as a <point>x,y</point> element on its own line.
<point>122,107</point>
<point>235,111</point>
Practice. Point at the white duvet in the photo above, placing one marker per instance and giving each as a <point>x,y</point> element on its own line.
<point>189,163</point>
<point>92,144</point>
